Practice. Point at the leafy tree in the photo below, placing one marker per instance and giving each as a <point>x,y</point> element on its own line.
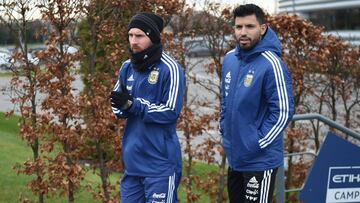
<point>341,73</point>
<point>215,26</point>
<point>61,105</point>
<point>97,32</point>
<point>322,67</point>
<point>25,87</point>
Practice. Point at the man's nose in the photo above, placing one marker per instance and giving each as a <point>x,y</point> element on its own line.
<point>243,31</point>
<point>132,40</point>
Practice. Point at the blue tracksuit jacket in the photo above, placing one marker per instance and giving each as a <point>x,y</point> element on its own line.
<point>256,105</point>
<point>150,145</point>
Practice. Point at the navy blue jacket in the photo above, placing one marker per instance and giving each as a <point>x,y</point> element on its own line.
<point>150,145</point>
<point>256,105</point>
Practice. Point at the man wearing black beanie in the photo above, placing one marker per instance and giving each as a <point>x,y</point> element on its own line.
<point>149,94</point>
<point>151,25</point>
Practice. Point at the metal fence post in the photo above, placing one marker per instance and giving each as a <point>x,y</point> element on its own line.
<point>280,185</point>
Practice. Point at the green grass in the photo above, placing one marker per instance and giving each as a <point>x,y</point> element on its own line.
<point>6,74</point>
<point>13,150</point>
<point>29,46</point>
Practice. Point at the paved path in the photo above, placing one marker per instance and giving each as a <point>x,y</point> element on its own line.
<point>6,93</point>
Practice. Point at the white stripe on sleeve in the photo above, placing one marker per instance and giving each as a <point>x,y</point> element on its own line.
<point>283,101</point>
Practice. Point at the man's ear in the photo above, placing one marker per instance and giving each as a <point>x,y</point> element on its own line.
<point>263,28</point>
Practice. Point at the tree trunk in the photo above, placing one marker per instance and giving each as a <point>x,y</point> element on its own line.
<point>103,171</point>
<point>71,187</point>
<point>35,150</point>
<point>333,102</point>
<point>222,169</point>
<point>35,145</point>
<point>317,129</point>
<point>188,167</point>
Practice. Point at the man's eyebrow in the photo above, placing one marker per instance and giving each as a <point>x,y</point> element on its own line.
<point>248,24</point>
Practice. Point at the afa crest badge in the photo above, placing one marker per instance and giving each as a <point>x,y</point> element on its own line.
<point>248,78</point>
<point>153,77</point>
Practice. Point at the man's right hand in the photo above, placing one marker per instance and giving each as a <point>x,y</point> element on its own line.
<point>121,100</point>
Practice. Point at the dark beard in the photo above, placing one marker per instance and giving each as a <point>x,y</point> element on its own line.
<point>253,43</point>
<point>141,60</point>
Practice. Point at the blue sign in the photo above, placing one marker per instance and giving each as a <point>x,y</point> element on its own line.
<point>343,184</point>
<point>335,175</point>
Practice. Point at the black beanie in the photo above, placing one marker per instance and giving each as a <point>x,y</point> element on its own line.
<point>150,23</point>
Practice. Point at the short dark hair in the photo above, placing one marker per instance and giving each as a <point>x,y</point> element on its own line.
<point>250,9</point>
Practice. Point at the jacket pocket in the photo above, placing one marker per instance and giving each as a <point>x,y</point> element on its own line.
<point>246,144</point>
